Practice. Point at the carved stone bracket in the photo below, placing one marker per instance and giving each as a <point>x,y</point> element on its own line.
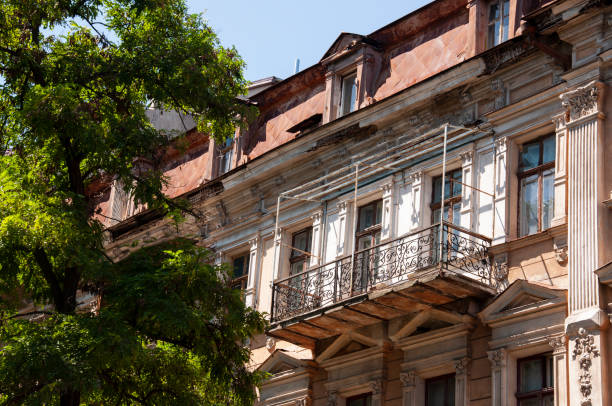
<point>376,387</point>
<point>584,351</point>
<point>499,277</point>
<point>332,398</point>
<point>581,102</point>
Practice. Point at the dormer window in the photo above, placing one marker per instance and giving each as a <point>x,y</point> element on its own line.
<point>348,99</point>
<point>225,156</point>
<point>499,19</point>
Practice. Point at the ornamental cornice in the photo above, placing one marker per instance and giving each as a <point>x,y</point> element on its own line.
<point>583,101</point>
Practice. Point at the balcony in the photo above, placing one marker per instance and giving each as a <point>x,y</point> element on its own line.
<point>448,262</point>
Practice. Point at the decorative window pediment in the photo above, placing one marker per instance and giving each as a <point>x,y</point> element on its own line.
<point>522,298</point>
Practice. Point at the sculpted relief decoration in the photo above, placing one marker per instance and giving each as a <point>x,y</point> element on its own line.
<point>584,351</point>
<point>581,102</point>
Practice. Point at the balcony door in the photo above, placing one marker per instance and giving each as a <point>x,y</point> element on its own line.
<point>367,238</point>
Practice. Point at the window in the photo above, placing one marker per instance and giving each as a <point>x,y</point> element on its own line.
<point>300,257</point>
<point>240,275</point>
<point>440,391</point>
<point>499,18</point>
<point>452,197</point>
<point>535,381</point>
<point>225,158</point>
<point>368,225</point>
<point>360,400</point>
<point>536,185</point>
<point>348,91</point>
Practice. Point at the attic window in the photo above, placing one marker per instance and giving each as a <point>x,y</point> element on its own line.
<point>348,97</point>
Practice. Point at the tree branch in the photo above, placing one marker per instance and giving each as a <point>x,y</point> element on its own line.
<point>47,269</point>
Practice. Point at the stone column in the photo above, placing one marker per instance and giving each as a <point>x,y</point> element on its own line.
<point>330,109</point>
<point>387,211</point>
<point>462,382</point>
<point>559,208</point>
<point>410,381</point>
<point>585,213</point>
<point>317,234</point>
<point>499,386</point>
<point>250,292</point>
<point>467,192</point>
<point>560,368</point>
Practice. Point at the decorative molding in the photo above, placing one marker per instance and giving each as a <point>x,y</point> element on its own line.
<point>415,177</point>
<point>386,189</point>
<point>270,344</point>
<point>301,402</point>
<point>585,350</point>
<point>461,366</point>
<point>408,379</point>
<point>501,55</point>
<point>376,387</point>
<point>253,243</point>
<point>557,343</point>
<point>500,272</point>
<point>500,143</point>
<point>342,206</point>
<point>497,357</point>
<point>466,157</point>
<point>316,216</point>
<point>499,93</point>
<point>581,102</point>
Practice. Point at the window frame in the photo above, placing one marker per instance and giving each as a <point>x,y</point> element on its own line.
<point>367,395</point>
<point>540,393</point>
<point>341,105</point>
<point>372,230</point>
<point>499,34</point>
<point>449,202</point>
<point>293,259</point>
<point>241,282</point>
<point>225,156</point>
<point>539,171</point>
<point>446,394</point>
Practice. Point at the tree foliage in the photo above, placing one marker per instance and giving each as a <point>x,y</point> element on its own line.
<point>167,328</point>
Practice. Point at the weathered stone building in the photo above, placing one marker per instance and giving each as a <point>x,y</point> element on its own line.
<point>330,207</point>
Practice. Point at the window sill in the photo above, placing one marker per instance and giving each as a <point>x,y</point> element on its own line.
<point>529,240</point>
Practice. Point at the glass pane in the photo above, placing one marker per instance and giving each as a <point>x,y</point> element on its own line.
<point>437,190</point>
<point>505,27</point>
<point>241,266</point>
<point>530,156</point>
<point>361,401</point>
<point>298,267</point>
<point>436,216</point>
<point>497,28</point>
<point>370,215</point>
<point>493,12</point>
<point>364,243</point>
<point>349,93</point>
<point>529,205</point>
<point>530,402</point>
<point>457,175</point>
<point>436,391</point>
<point>548,191</point>
<point>448,192</point>
<point>550,372</point>
<point>301,241</point>
<point>531,375</point>
<point>491,36</point>
<point>548,146</point>
<point>506,8</point>
<point>456,214</point>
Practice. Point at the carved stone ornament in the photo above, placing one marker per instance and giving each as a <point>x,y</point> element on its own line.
<point>561,255</point>
<point>271,344</point>
<point>500,272</point>
<point>408,379</point>
<point>376,387</point>
<point>580,102</point>
<point>497,357</point>
<point>301,402</point>
<point>466,157</point>
<point>584,351</point>
<point>461,366</point>
<point>415,177</point>
<point>557,343</point>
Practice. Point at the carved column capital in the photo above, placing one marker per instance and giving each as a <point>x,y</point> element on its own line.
<point>316,217</point>
<point>557,343</point>
<point>376,387</point>
<point>466,157</point>
<point>408,379</point>
<point>386,189</point>
<point>342,206</point>
<point>415,177</point>
<point>497,358</point>
<point>500,143</point>
<point>253,243</point>
<point>461,366</point>
<point>278,236</point>
<point>583,101</point>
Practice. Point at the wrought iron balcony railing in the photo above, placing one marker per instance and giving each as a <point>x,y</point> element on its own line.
<point>391,262</point>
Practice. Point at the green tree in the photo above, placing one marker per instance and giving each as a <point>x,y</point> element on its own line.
<point>168,328</point>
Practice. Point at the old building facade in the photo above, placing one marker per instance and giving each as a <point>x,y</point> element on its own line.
<point>424,214</point>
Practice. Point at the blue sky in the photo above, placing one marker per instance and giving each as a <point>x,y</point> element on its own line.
<point>271,34</point>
